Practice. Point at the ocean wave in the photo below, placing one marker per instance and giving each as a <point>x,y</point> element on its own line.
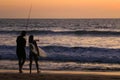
<point>61,53</point>
<point>78,32</point>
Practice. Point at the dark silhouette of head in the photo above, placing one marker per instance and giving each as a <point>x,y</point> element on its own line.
<point>23,33</point>
<point>31,38</point>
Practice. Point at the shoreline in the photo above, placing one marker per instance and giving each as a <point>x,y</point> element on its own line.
<point>108,73</point>
<point>115,73</point>
<point>58,75</point>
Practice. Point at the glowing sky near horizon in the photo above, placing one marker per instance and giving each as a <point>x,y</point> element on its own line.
<point>60,8</point>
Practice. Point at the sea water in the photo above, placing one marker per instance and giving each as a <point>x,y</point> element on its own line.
<point>76,40</point>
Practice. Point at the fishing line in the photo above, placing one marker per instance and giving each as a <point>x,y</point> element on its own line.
<point>28,20</point>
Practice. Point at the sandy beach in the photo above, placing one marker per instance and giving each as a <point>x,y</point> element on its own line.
<point>58,75</point>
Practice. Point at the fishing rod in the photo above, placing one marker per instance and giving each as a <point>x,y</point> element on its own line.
<point>29,15</point>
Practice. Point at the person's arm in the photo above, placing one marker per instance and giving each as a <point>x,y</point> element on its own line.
<point>24,42</point>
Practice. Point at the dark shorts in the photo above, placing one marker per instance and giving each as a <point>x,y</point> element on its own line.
<point>33,56</point>
<point>21,54</point>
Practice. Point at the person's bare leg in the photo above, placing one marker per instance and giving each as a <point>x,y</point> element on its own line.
<point>37,66</point>
<point>20,66</point>
<point>22,63</point>
<point>30,65</point>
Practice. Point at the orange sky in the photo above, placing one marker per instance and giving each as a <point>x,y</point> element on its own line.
<point>60,8</point>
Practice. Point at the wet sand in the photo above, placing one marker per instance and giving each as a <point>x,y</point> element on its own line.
<point>58,75</point>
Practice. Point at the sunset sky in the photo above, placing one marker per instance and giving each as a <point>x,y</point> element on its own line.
<point>60,8</point>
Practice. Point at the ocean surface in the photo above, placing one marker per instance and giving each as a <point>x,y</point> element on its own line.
<point>83,40</point>
<point>65,40</point>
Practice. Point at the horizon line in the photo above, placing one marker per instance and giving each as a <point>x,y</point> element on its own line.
<point>63,18</point>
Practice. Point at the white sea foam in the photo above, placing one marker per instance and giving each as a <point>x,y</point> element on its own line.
<point>46,65</point>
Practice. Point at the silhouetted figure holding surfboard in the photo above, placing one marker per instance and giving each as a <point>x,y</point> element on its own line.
<point>20,51</point>
<point>34,52</point>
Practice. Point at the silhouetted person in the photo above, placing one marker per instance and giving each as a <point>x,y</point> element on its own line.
<point>20,51</point>
<point>34,53</point>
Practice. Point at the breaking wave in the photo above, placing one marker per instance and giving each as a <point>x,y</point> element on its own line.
<point>61,53</point>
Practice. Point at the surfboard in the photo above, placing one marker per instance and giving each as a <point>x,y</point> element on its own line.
<point>41,52</point>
